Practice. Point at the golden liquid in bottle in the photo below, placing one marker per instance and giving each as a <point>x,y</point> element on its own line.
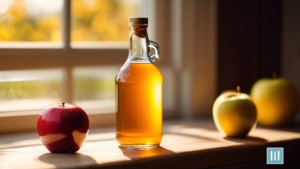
<point>139,106</point>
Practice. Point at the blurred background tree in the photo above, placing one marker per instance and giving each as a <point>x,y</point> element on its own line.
<point>91,20</point>
<point>30,20</point>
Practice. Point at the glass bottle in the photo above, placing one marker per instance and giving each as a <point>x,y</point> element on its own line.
<point>139,92</point>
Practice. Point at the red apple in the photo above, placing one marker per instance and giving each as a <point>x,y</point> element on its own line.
<point>63,127</point>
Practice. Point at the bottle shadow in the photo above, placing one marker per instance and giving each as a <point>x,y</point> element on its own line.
<point>68,160</point>
<point>141,153</point>
<point>247,140</point>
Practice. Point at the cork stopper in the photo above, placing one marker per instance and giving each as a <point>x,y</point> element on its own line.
<point>138,22</point>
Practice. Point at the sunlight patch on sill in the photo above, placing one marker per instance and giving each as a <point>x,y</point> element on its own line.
<point>31,45</point>
<point>90,107</point>
<point>100,45</point>
<point>26,104</point>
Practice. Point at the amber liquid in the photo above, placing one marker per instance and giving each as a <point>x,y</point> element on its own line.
<point>139,106</point>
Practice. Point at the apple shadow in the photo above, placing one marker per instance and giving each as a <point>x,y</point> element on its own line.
<point>294,126</point>
<point>136,153</point>
<point>247,140</point>
<point>68,160</point>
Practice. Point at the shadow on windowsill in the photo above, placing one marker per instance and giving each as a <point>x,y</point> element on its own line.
<point>294,126</point>
<point>67,160</point>
<point>135,153</point>
<point>247,140</point>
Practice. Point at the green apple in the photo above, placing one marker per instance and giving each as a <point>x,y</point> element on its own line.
<point>277,101</point>
<point>234,114</point>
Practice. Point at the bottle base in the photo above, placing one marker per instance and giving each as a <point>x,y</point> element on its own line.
<point>138,146</point>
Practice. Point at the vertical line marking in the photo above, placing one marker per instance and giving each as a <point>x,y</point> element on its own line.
<point>278,155</point>
<point>275,155</point>
<point>271,155</point>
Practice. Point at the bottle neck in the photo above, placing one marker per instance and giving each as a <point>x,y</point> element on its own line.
<point>139,42</point>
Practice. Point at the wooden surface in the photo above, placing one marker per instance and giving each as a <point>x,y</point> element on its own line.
<point>186,144</point>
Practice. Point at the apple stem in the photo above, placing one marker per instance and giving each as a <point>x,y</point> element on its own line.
<point>63,104</point>
<point>238,89</point>
<point>274,75</point>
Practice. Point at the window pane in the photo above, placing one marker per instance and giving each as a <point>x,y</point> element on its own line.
<point>30,20</point>
<point>29,90</point>
<point>103,20</point>
<point>94,87</point>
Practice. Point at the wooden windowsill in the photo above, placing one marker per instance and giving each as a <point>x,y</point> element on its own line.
<point>186,144</point>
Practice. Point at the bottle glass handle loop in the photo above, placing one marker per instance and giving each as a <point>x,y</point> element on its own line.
<point>155,47</point>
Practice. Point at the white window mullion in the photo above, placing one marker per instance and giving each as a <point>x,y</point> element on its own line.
<point>67,78</point>
<point>66,21</point>
<point>68,85</point>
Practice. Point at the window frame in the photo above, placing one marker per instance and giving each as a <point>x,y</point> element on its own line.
<point>36,56</point>
<point>182,66</point>
<point>45,57</point>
